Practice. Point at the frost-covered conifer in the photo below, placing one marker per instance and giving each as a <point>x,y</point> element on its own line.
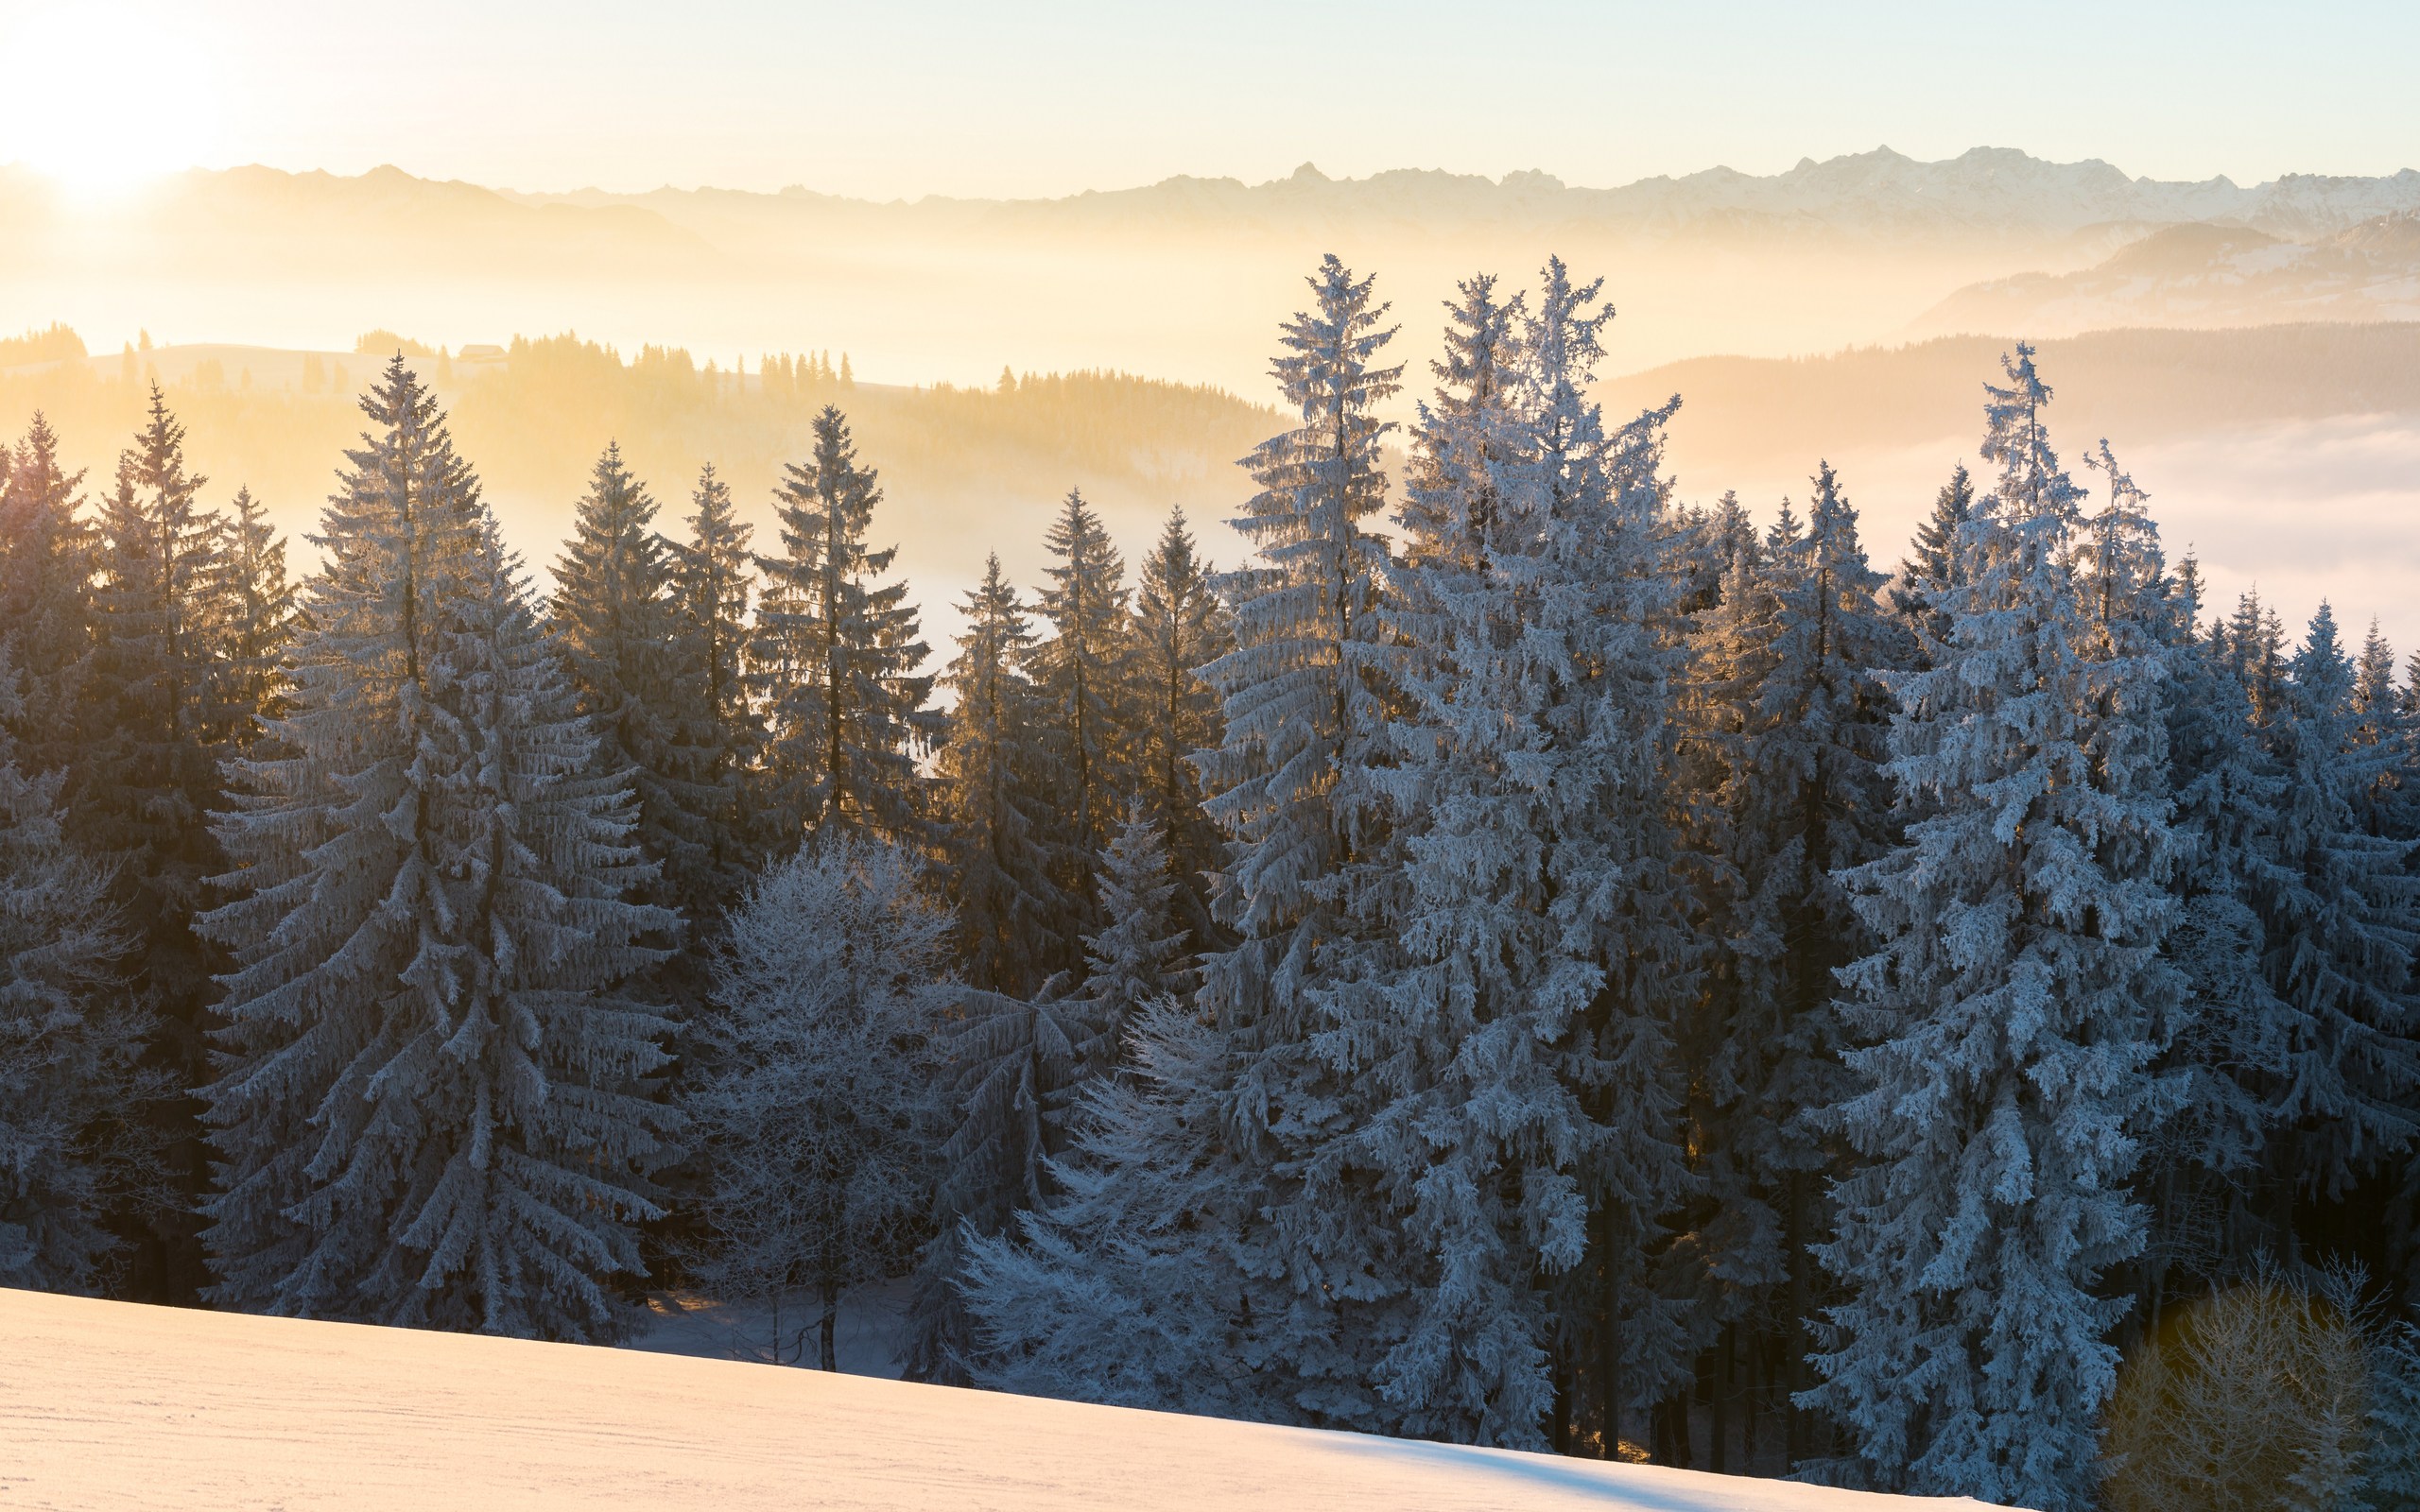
<point>155,722</point>
<point>2338,935</point>
<point>1080,675</point>
<point>47,551</point>
<point>2389,805</point>
<point>816,1113</point>
<point>1018,1065</point>
<point>2390,1465</point>
<point>71,1041</point>
<point>1803,647</point>
<point>1521,1048</point>
<point>2196,1169</point>
<point>432,1102</point>
<point>258,622</point>
<point>833,659</point>
<point>995,802</point>
<point>1936,566</point>
<point>613,616</point>
<point>1178,1265</point>
<point>1179,626</point>
<point>2009,1020</point>
<point>1141,956</point>
<point>719,732</point>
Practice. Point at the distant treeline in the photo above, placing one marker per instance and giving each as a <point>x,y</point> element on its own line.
<point>536,418</point>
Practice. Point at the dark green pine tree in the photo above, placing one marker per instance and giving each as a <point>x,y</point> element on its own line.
<point>613,615</point>
<point>154,717</point>
<point>833,659</point>
<point>1179,625</point>
<point>1079,674</point>
<point>993,802</point>
<point>720,734</point>
<point>47,551</point>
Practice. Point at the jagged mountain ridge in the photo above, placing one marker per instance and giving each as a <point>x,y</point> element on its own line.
<point>1985,190</point>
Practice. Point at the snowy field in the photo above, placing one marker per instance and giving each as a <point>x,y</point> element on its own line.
<point>109,1405</point>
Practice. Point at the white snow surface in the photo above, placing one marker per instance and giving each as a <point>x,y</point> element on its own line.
<point>107,1404</point>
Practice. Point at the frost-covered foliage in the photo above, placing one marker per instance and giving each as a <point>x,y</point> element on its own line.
<point>72,1086</point>
<point>1527,1080</point>
<point>2007,1024</point>
<point>834,656</point>
<point>1080,675</point>
<point>2390,1459</point>
<point>994,800</point>
<point>718,731</point>
<point>611,613</point>
<point>1179,625</point>
<point>431,1101</point>
<point>817,1114</point>
<point>1271,1211</point>
<point>1789,674</point>
<point>46,548</point>
<point>2251,1400</point>
<point>2337,914</point>
<point>1018,1067</point>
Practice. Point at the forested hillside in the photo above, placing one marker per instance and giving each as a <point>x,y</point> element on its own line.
<point>963,464</point>
<point>1454,940</point>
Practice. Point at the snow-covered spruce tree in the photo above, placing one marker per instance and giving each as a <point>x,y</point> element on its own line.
<point>719,730</point>
<point>1080,675</point>
<point>1142,956</point>
<point>833,661</point>
<point>613,616</point>
<point>72,1088</point>
<point>1018,1066</point>
<point>1805,799</point>
<point>258,623</point>
<point>2009,1020</point>
<point>2197,1169</point>
<point>994,800</point>
<point>1217,1248</point>
<point>1521,1046</point>
<point>817,1112</point>
<point>2390,806</point>
<point>1179,625</point>
<point>46,599</point>
<point>154,723</point>
<point>432,1099</point>
<point>1935,566</point>
<point>2337,932</point>
<point>2390,1465</point>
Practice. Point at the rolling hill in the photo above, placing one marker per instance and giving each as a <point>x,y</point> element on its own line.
<point>107,1405</point>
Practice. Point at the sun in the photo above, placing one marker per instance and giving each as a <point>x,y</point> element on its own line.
<point>102,97</point>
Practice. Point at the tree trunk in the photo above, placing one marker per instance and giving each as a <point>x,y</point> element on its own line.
<point>1559,1430</point>
<point>1609,1336</point>
<point>830,1325</point>
<point>1718,1457</point>
<point>1794,1367</point>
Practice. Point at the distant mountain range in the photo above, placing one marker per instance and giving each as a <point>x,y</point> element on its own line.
<point>1993,191</point>
<point>1185,279</point>
<point>2201,274</point>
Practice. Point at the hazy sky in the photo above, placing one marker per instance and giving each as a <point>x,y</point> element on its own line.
<point>955,96</point>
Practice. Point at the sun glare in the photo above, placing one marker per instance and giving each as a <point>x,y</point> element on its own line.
<point>103,97</point>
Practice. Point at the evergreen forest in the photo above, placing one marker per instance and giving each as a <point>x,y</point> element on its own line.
<point>1474,947</point>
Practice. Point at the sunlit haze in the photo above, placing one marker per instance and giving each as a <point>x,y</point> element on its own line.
<point>964,99</point>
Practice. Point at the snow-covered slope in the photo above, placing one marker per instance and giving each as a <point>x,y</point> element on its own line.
<point>104,1405</point>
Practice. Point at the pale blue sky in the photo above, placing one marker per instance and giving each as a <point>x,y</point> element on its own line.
<point>896,98</point>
